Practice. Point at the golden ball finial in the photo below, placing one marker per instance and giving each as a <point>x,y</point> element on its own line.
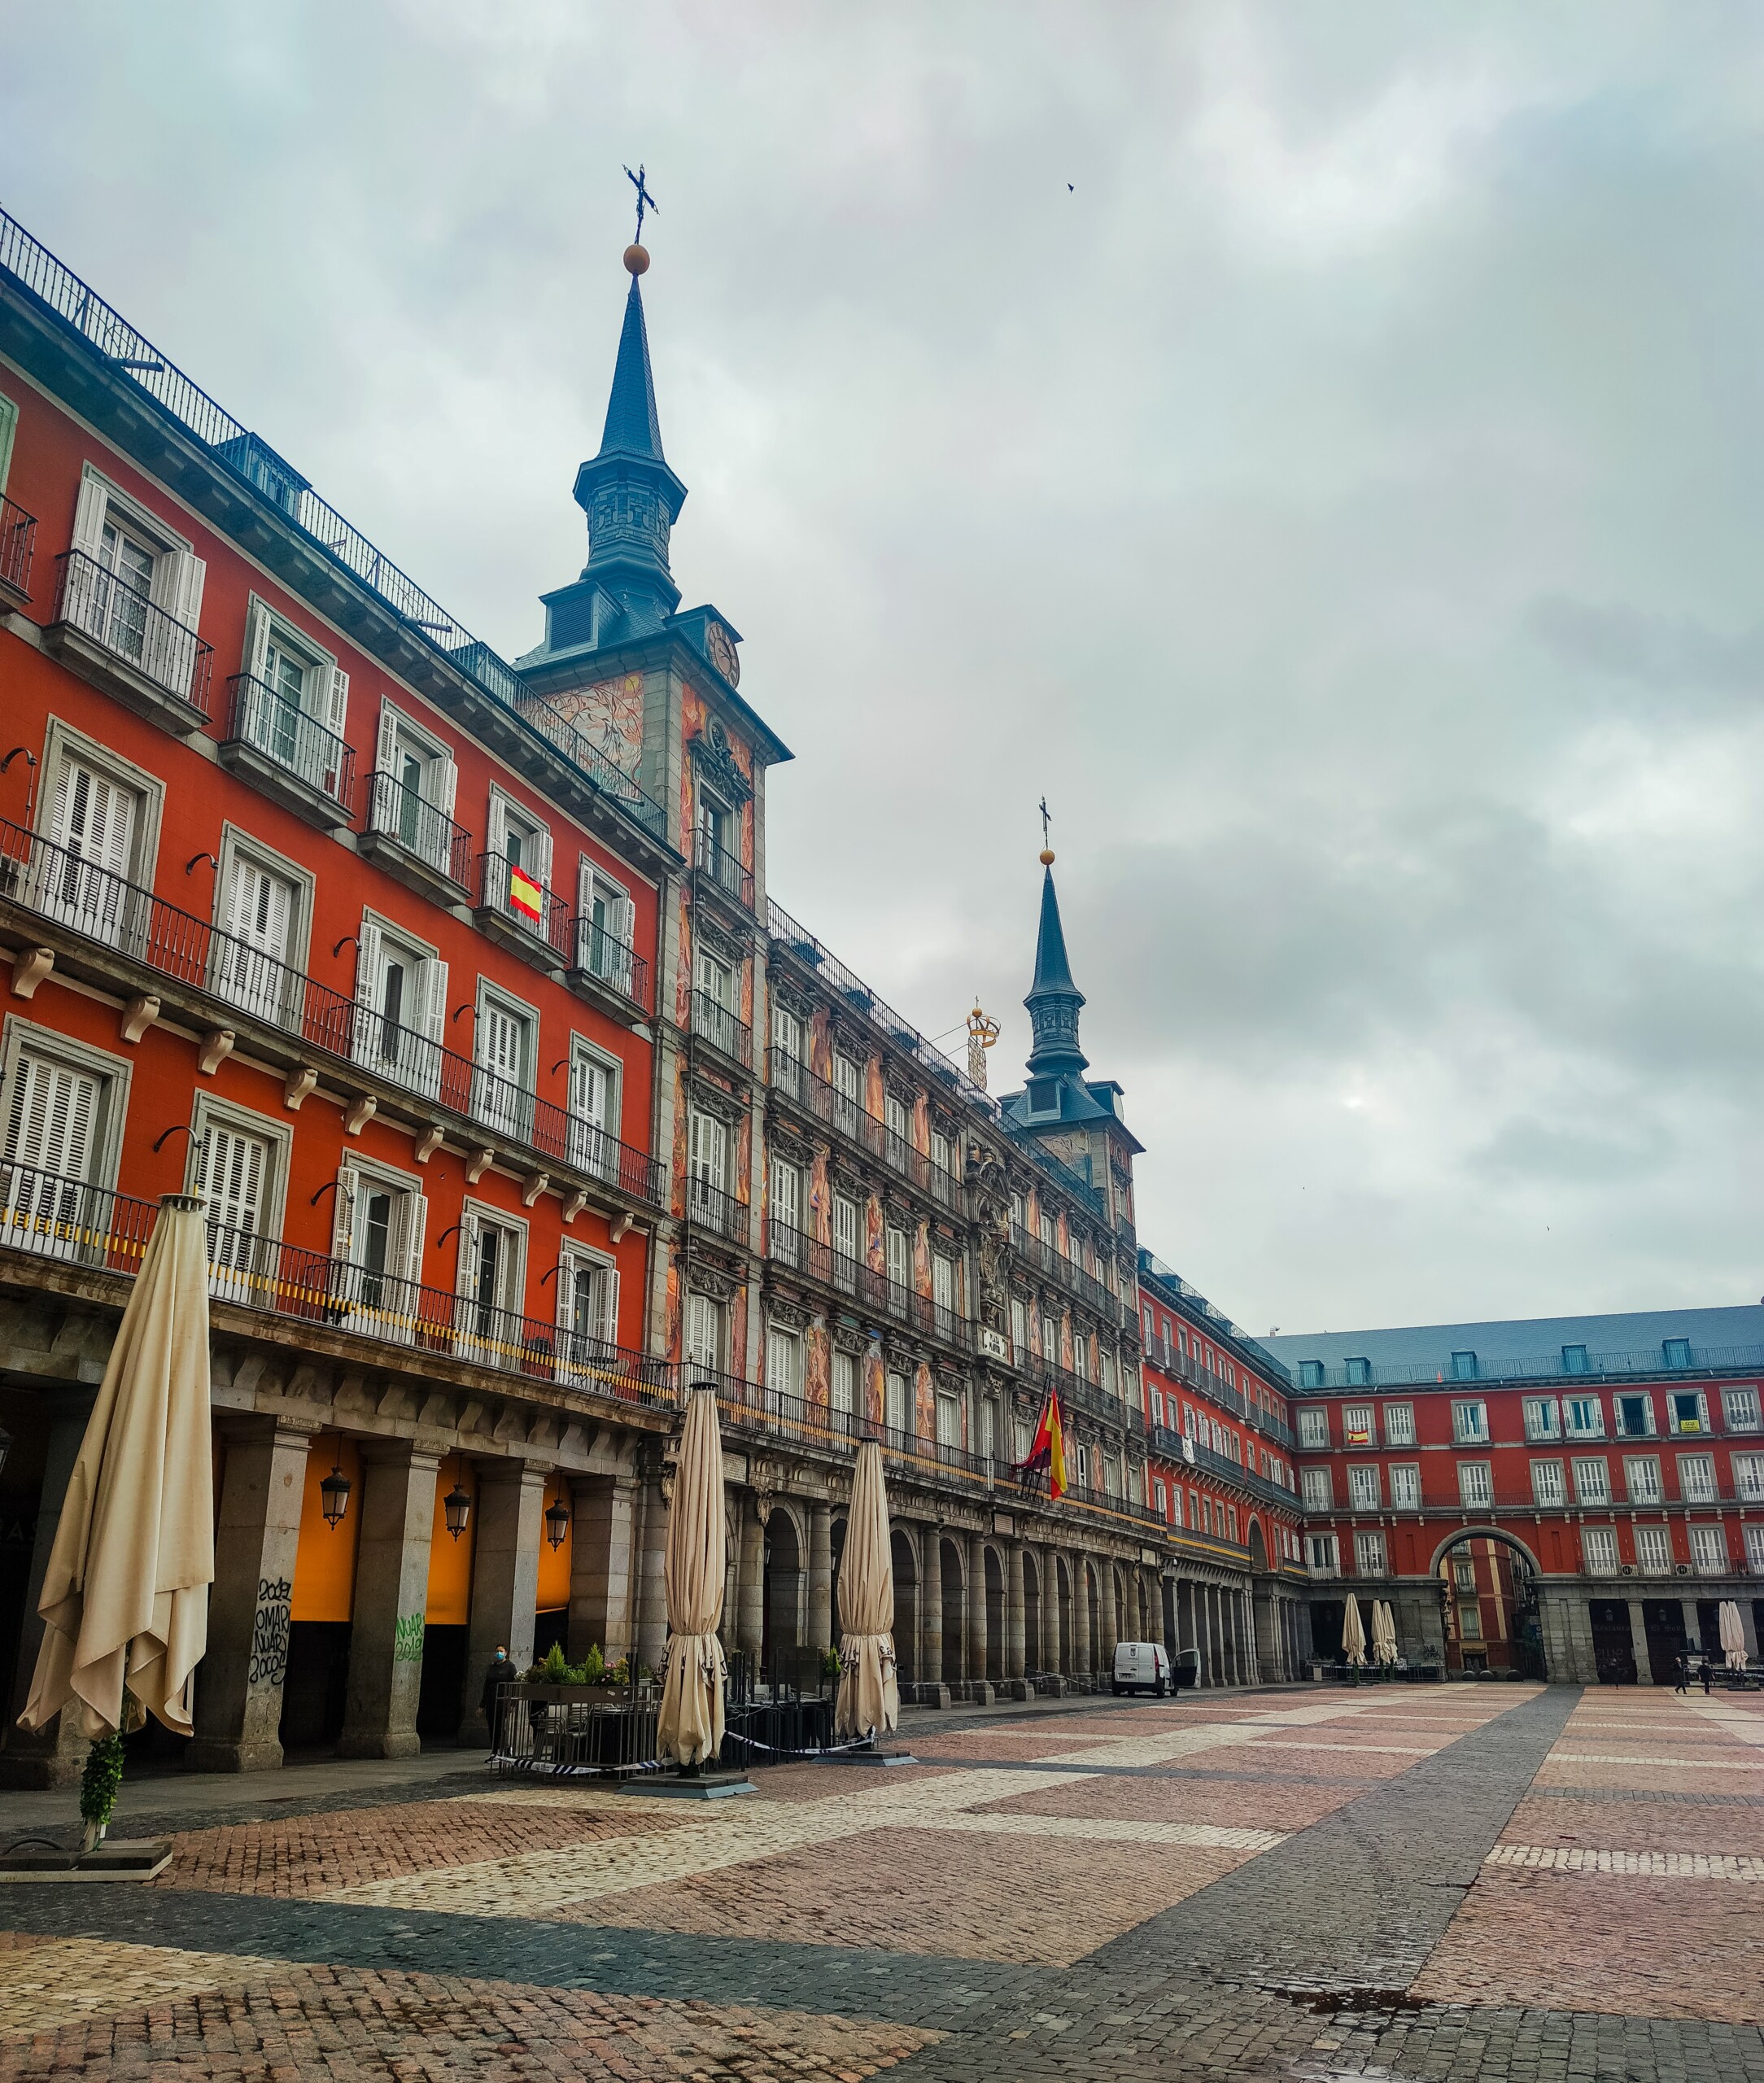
<point>1047,857</point>
<point>636,260</point>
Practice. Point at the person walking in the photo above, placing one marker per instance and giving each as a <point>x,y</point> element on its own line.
<point>1681,1673</point>
<point>498,1675</point>
<point>1706,1672</point>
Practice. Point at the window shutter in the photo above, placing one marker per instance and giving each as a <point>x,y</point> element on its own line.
<point>542,846</point>
<point>496,837</point>
<point>368,964</point>
<point>344,1216</point>
<point>466,1279</point>
<point>428,1019</point>
<point>405,1257</point>
<point>568,1268</point>
<point>88,515</point>
<point>256,657</point>
<point>184,585</point>
<point>336,705</point>
<point>450,783</point>
<point>384,751</point>
<point>606,1306</point>
<point>9,421</point>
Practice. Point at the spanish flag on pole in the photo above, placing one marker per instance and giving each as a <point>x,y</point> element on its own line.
<point>524,896</point>
<point>1050,1446</point>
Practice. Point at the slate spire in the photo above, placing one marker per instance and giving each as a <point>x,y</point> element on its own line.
<point>1054,999</point>
<point>633,425</point>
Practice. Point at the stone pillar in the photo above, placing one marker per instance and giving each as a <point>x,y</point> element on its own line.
<point>238,1697</point>
<point>1016,1642</point>
<point>1638,1641</point>
<point>651,1589</point>
<point>55,1756</point>
<point>1047,1654</point>
<point>1080,1616</point>
<point>398,1486</point>
<point>931,1608</point>
<point>820,1577</point>
<point>750,1633</point>
<point>600,1565</point>
<point>1748,1625</point>
<point>974,1665</point>
<point>511,1504</point>
<point>1106,1618</point>
<point>1215,1656</point>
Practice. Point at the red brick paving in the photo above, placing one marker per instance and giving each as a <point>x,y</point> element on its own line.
<point>1235,1803</point>
<point>822,1782</point>
<point>1624,1944</point>
<point>344,2025</point>
<point>310,1854</point>
<point>1012,1899</point>
<point>1639,1826</point>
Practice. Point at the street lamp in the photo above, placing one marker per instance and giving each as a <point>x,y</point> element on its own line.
<point>457,1506</point>
<point>556,1522</point>
<point>334,1491</point>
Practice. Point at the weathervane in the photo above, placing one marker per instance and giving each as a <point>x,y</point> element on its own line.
<point>1047,850</point>
<point>645,200</point>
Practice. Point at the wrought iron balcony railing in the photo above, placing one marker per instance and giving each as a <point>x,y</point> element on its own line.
<point>102,909</point>
<point>508,894</point>
<point>18,544</point>
<point>135,630</point>
<point>1049,1259</point>
<point>48,1216</point>
<point>1171,1360</point>
<point>1182,1452</point>
<point>713,1022</point>
<point>851,1276</point>
<point>262,717</point>
<point>712,1208</point>
<point>847,1115</point>
<point>609,961</point>
<point>398,812</point>
<point>723,868</point>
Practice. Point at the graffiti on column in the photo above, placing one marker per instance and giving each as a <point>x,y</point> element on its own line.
<point>269,1632</point>
<point>407,1639</point>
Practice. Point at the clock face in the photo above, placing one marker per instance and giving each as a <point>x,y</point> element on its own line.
<point>721,647</point>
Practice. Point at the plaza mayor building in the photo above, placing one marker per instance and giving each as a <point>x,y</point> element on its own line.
<point>519,1100</point>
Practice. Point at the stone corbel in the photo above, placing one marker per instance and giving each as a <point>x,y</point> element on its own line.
<point>532,1185</point>
<point>428,1142</point>
<point>361,1111</point>
<point>574,1204</point>
<point>298,1084</point>
<point>30,966</point>
<point>621,1227</point>
<point>477,1165</point>
<point>216,1046</point>
<point>138,1016</point>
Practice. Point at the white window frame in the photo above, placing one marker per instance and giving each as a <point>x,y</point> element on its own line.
<point>845,1382</point>
<point>513,1119</point>
<point>1643,1483</point>
<point>1405,1486</point>
<point>1370,1556</point>
<point>1313,1428</point>
<point>1710,1556</point>
<point>357,1174</point>
<point>784,1361</point>
<point>1698,1483</point>
<point>1549,1485</point>
<point>62,739</point>
<point>1649,1430</point>
<point>1654,1551</point>
<point>209,1108</point>
<point>1323,1554</point>
<point>573,1257</point>
<point>1578,1408</point>
<point>1592,1480</point>
<point>1599,1551</point>
<point>1543,1418</point>
<point>699,1313</point>
<point>1754,1547</point>
<point>438,757</point>
<point>1701,1428</point>
<point>175,586</point>
<point>475,1216</point>
<point>1476,1485</point>
<point>324,691</point>
<point>114,1074</point>
<point>1359,1418</point>
<point>1363,1486</point>
<point>1469,1422</point>
<point>237,847</point>
<point>1315,1486</point>
<point>1400,1425</point>
<point>9,427</point>
<point>1749,1478</point>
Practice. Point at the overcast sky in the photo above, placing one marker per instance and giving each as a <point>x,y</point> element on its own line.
<point>1318,446</point>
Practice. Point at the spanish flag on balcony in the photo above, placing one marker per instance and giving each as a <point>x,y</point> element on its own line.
<point>1049,1447</point>
<point>526,896</point>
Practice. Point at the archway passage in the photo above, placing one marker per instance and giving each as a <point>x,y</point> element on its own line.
<point>1258,1548</point>
<point>783,1598</point>
<point>955,1596</point>
<point>1032,1651</point>
<point>995,1618</point>
<point>1489,1596</point>
<point>1063,1624</point>
<point>906,1607</point>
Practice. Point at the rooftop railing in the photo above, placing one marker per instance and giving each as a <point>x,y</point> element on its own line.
<point>134,630</point>
<point>1535,1367</point>
<point>95,905</point>
<point>17,544</point>
<point>131,355</point>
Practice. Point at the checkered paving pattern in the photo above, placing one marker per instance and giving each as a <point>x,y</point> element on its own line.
<point>1306,1885</point>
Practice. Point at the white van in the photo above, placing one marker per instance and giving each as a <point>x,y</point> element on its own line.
<point>1142,1667</point>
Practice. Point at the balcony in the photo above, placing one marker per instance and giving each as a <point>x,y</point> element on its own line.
<point>1184,1452</point>
<point>278,748</point>
<point>1076,1393</point>
<point>47,1217</point>
<point>713,1022</point>
<point>722,870</point>
<point>605,970</point>
<point>878,1294</point>
<point>413,839</point>
<point>227,981</point>
<point>519,914</point>
<point>1049,1259</point>
<point>18,544</point>
<point>711,1208</point>
<point>114,636</point>
<point>847,1116</point>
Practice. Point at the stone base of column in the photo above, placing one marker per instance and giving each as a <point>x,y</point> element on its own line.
<point>212,1756</point>
<point>379,1743</point>
<point>53,1758</point>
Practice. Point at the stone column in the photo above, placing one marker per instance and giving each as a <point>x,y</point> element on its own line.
<point>511,1504</point>
<point>238,1698</point>
<point>651,1589</point>
<point>398,1486</point>
<point>1107,1617</point>
<point>55,1756</point>
<point>600,1565</point>
<point>975,1664</point>
<point>1081,1617</point>
<point>1638,1641</point>
<point>931,1608</point>
<point>1215,1647</point>
<point>1016,1640</point>
<point>820,1577</point>
<point>751,1626</point>
<point>1046,1654</point>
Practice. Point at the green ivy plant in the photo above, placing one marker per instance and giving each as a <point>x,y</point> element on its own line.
<point>98,1785</point>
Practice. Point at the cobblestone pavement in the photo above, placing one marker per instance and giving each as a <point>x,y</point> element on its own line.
<point>1491,1881</point>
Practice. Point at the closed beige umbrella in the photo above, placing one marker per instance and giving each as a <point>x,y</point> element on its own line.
<point>125,1596</point>
<point>1733,1634</point>
<point>869,1694</point>
<point>690,1726</point>
<point>1384,1632</point>
<point>1353,1633</point>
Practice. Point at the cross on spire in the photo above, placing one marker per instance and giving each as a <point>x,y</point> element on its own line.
<point>645,200</point>
<point>1044,821</point>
